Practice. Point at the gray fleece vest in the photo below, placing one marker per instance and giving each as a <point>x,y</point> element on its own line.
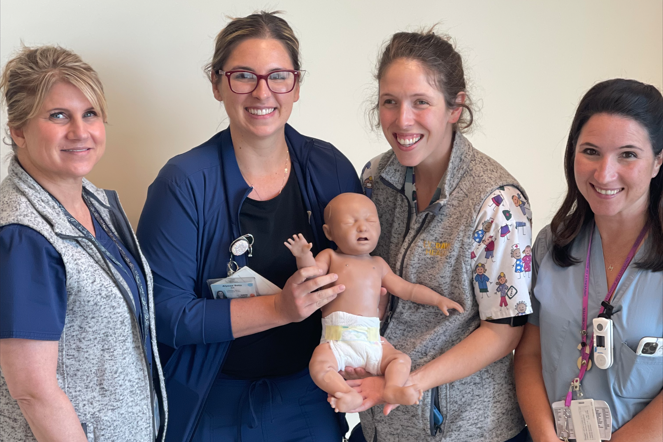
<point>102,367</point>
<point>434,249</point>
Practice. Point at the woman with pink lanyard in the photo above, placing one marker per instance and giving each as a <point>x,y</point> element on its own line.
<point>590,364</point>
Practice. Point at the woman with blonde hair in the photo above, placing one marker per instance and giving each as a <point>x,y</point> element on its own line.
<point>78,358</point>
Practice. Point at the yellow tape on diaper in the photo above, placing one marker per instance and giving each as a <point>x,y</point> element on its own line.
<point>335,332</point>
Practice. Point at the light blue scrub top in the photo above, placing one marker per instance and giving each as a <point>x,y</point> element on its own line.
<point>633,380</point>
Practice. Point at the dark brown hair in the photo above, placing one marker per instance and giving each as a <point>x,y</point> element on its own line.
<point>261,24</point>
<point>631,99</point>
<point>439,57</point>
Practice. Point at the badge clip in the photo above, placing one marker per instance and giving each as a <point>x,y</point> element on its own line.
<point>239,247</point>
<point>242,244</point>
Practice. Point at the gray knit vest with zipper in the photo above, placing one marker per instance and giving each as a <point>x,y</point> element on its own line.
<point>483,405</point>
<point>101,367</point>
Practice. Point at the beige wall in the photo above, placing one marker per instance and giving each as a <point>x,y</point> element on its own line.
<point>528,63</point>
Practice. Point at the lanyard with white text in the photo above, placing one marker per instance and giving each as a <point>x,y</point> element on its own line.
<point>586,347</point>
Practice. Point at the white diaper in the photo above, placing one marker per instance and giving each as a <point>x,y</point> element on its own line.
<point>354,340</point>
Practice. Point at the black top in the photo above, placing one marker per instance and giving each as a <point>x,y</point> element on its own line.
<point>287,349</point>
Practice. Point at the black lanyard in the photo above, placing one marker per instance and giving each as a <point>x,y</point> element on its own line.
<point>143,320</point>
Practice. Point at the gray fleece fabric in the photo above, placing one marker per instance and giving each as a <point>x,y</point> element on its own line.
<point>102,367</point>
<point>433,248</point>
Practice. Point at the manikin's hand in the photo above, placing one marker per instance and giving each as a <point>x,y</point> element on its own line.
<point>298,245</point>
<point>300,296</point>
<point>445,304</point>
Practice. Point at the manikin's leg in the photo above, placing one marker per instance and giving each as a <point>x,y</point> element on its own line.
<point>396,368</point>
<point>324,372</point>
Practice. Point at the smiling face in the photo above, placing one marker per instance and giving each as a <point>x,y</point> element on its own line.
<point>260,114</point>
<point>613,166</point>
<point>414,116</point>
<point>351,221</point>
<point>64,140</point>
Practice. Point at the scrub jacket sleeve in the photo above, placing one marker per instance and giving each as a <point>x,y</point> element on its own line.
<point>501,259</point>
<point>541,247</point>
<point>169,234</point>
<point>33,287</point>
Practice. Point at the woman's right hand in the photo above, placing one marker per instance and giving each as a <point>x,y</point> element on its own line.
<point>351,373</point>
<point>300,296</point>
<point>371,389</point>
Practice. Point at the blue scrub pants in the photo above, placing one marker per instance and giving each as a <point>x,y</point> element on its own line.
<point>288,408</point>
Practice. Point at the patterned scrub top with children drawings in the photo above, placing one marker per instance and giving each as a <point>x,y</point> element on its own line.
<point>502,256</point>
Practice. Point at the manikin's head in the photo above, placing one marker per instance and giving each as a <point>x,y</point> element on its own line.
<point>351,221</point>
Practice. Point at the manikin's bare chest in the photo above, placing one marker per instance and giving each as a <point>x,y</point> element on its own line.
<point>362,278</point>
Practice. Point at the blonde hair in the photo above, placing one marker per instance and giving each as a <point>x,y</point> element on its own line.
<point>28,77</point>
<point>261,24</point>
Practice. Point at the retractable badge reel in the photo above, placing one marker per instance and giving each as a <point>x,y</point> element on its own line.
<point>603,342</point>
<point>237,248</point>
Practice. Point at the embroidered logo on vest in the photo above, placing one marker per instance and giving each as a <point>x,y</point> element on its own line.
<point>434,248</point>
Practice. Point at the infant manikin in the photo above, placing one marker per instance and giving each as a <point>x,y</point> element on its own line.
<point>350,323</point>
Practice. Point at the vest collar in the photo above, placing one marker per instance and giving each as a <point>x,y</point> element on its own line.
<point>459,162</point>
<point>44,204</point>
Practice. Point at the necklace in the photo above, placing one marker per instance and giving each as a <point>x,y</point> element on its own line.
<point>285,176</point>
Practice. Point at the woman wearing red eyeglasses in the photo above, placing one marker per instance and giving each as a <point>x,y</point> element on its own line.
<point>237,369</point>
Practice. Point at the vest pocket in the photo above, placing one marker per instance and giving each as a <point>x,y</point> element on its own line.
<point>636,376</point>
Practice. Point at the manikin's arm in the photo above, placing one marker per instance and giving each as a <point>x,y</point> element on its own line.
<point>301,249</point>
<point>415,292</point>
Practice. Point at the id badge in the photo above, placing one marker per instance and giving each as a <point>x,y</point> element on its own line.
<point>244,283</point>
<point>231,288</point>
<point>585,424</point>
<point>591,418</point>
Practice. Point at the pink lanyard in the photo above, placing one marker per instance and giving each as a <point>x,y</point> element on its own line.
<point>585,301</point>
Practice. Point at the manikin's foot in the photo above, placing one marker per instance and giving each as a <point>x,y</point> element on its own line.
<point>409,395</point>
<point>344,402</point>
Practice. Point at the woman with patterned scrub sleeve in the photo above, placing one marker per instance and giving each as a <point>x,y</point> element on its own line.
<point>433,191</point>
<point>614,196</point>
<point>237,369</point>
<point>350,326</point>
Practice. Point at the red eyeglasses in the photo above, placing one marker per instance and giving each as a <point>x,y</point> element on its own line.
<point>245,82</point>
